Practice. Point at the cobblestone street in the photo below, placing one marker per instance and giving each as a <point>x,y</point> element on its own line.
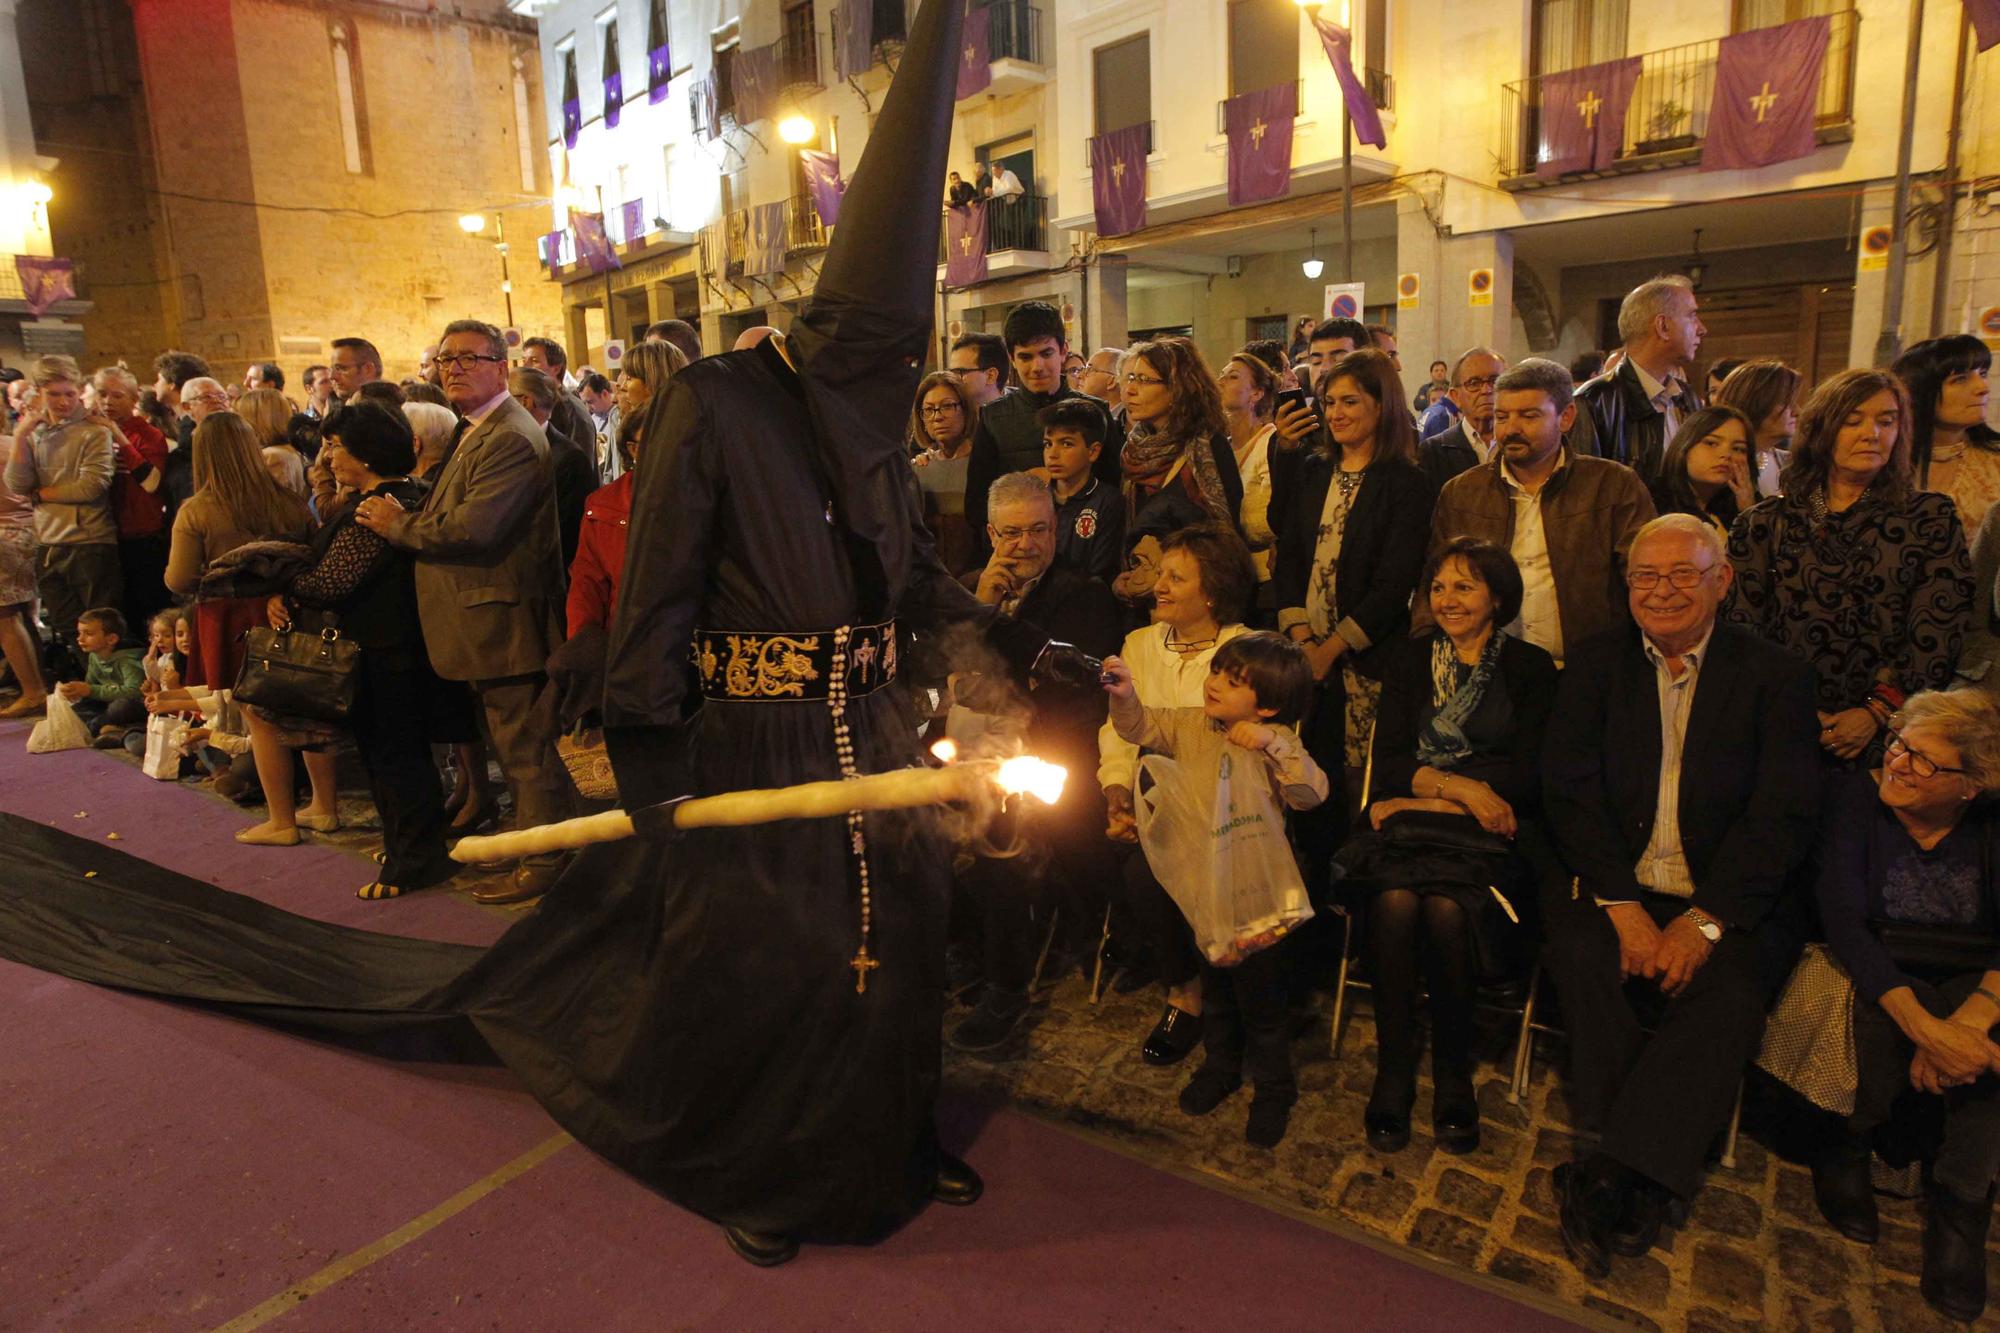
<point>1754,1254</point>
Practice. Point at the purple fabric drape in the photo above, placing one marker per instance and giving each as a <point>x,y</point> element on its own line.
<point>1766,85</point>
<point>1338,43</point>
<point>822,172</point>
<point>1118,179</point>
<point>593,247</point>
<point>1583,116</point>
<point>1260,142</point>
<point>765,252</point>
<point>975,55</point>
<point>965,244</point>
<point>45,281</point>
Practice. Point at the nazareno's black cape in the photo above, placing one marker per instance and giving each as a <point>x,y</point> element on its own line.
<point>687,1011</point>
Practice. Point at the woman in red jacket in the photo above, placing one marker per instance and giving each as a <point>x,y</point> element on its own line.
<point>600,541</point>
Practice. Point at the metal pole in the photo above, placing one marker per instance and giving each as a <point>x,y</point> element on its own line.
<point>1890,342</point>
<point>506,281</point>
<point>1941,257</point>
<point>1346,193</point>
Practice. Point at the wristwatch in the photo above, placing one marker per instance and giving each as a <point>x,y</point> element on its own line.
<point>1710,928</point>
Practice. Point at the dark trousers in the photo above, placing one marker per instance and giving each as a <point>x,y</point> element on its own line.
<point>1246,1023</point>
<point>391,730</point>
<point>73,579</point>
<point>142,565</point>
<point>1064,866</point>
<point>1968,1161</point>
<point>1660,1102</point>
<point>1318,832</point>
<point>97,714</point>
<point>1157,922</point>
<point>519,713</point>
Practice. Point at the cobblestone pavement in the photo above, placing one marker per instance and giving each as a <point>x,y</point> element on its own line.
<point>1754,1254</point>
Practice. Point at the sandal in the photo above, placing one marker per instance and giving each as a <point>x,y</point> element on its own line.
<point>475,819</point>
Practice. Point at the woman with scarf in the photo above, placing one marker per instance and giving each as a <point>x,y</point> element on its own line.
<point>1178,467</point>
<point>1457,743</point>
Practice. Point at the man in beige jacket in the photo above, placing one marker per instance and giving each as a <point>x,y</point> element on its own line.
<point>490,580</point>
<point>63,465</point>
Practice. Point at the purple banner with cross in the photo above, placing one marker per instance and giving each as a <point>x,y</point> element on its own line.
<point>632,220</point>
<point>45,281</point>
<point>822,171</point>
<point>764,252</point>
<point>659,72</point>
<point>975,53</point>
<point>614,99</point>
<point>593,247</point>
<point>1118,179</point>
<point>1766,89</point>
<point>1583,116</point>
<point>1260,142</point>
<point>965,244</point>
<point>755,78</point>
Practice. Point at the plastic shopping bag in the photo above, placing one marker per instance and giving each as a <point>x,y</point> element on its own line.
<point>166,737</point>
<point>62,729</point>
<point>1221,855</point>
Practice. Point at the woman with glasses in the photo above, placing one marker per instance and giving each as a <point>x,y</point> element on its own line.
<point>1707,470</point>
<point>1074,366</point>
<point>1852,568</point>
<point>941,425</point>
<point>1177,468</point>
<point>1909,893</point>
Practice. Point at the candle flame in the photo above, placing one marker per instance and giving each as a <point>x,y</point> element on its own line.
<point>945,751</point>
<point>1036,777</point>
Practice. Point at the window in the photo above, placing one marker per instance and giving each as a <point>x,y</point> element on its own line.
<point>524,124</point>
<point>1124,83</point>
<point>347,96</point>
<point>614,76</point>
<point>891,22</point>
<point>799,51</point>
<point>1570,34</point>
<point>1748,14</point>
<point>1263,45</point>
<point>660,69</point>
<point>1375,50</point>
<point>725,72</point>
<point>572,99</point>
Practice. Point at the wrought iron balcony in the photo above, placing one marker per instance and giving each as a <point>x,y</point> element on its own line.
<point>1667,123</point>
<point>1015,32</point>
<point>1222,107</point>
<point>1020,223</point>
<point>803,229</point>
<point>798,62</point>
<point>1151,138</point>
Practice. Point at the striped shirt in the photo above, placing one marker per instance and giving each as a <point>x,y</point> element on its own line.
<point>1663,867</point>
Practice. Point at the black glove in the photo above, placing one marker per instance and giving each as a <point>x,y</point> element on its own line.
<point>655,823</point>
<point>1066,664</point>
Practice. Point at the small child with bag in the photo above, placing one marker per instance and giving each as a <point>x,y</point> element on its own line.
<point>107,699</point>
<point>1209,803</point>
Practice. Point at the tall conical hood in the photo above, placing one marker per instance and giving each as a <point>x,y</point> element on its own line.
<point>860,345</point>
<point>884,249</point>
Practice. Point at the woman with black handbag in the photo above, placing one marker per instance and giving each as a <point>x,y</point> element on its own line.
<point>1909,893</point>
<point>1457,750</point>
<point>366,588</point>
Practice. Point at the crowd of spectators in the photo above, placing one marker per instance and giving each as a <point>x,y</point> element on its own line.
<point>1678,693</point>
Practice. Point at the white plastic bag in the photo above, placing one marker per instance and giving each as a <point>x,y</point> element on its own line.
<point>166,737</point>
<point>62,729</point>
<point>1222,855</point>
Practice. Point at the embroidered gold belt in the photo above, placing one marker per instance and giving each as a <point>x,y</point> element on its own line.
<point>756,666</point>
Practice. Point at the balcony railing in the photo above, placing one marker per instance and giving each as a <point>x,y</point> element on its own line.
<point>887,44</point>
<point>1015,32</point>
<point>1667,122</point>
<point>1151,137</point>
<point>803,229</point>
<point>798,61</point>
<point>1020,223</point>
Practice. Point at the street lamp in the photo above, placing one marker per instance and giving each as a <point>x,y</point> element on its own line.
<point>797,129</point>
<point>1313,265</point>
<point>472,224</point>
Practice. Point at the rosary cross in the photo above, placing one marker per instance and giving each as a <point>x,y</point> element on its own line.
<point>862,965</point>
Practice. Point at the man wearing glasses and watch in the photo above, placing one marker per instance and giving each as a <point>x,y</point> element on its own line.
<point>1681,782</point>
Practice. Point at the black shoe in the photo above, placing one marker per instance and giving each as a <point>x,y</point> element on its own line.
<point>1638,1228</point>
<point>1177,1033</point>
<point>956,1183</point>
<point>1845,1191</point>
<point>1585,1206</point>
<point>1954,1280</point>
<point>109,738</point>
<point>962,969</point>
<point>991,1023</point>
<point>1455,1113</point>
<point>1207,1090</point>
<point>1388,1131</point>
<point>762,1248</point>
<point>1269,1115</point>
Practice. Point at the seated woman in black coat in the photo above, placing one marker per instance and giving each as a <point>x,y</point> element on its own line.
<point>1909,893</point>
<point>367,588</point>
<point>1457,752</point>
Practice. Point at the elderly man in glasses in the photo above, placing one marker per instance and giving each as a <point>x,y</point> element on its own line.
<point>1681,782</point>
<point>490,581</point>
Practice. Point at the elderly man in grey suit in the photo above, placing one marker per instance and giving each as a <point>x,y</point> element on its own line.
<point>489,580</point>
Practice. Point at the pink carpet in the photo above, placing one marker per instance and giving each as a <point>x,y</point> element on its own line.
<point>168,1168</point>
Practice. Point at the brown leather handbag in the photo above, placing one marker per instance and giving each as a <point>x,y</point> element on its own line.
<point>300,673</point>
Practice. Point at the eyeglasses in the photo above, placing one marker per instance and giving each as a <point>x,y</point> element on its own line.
<point>1920,763</point>
<point>1684,577</point>
<point>941,409</point>
<point>1037,531</point>
<point>1481,382</point>
<point>1076,372</point>
<point>1131,378</point>
<point>464,360</point>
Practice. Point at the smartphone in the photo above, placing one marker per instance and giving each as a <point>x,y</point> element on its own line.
<point>1292,398</point>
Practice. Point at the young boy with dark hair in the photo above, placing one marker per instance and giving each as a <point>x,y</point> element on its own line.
<point>1090,513</point>
<point>107,698</point>
<point>1257,688</point>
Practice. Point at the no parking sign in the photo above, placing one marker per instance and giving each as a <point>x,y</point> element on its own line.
<point>1345,300</point>
<point>614,353</point>
<point>1989,326</point>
